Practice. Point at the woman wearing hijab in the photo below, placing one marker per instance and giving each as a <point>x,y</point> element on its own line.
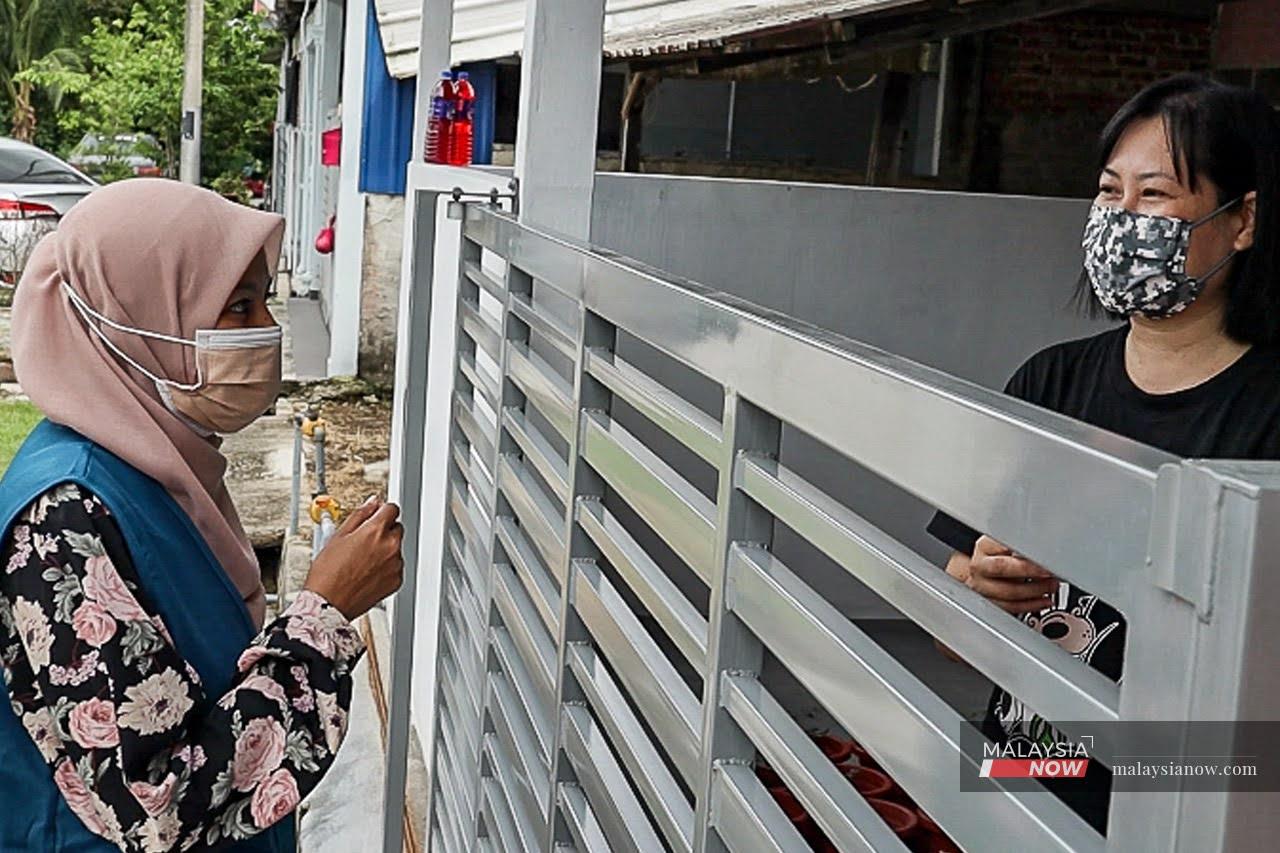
<point>148,707</point>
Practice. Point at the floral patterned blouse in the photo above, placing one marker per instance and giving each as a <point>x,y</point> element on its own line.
<point>141,755</point>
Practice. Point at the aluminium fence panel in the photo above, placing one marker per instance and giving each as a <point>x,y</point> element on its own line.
<point>596,706</point>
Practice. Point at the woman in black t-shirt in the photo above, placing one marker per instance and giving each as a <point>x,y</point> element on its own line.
<point>1183,244</point>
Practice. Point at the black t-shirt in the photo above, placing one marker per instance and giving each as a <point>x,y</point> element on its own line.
<point>1233,415</point>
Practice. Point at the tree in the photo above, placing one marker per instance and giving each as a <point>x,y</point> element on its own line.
<point>33,33</point>
<point>132,81</point>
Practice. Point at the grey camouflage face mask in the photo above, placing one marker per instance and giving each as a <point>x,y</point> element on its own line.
<point>1137,262</point>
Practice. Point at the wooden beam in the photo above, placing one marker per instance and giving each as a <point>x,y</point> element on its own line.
<point>639,85</point>
<point>865,37</point>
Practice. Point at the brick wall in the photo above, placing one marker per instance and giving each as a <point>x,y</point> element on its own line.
<point>1050,85</point>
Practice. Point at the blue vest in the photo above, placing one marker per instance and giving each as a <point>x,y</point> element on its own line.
<point>183,581</point>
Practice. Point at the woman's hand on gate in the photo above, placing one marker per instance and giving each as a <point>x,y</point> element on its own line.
<point>362,562</point>
<point>1013,582</point>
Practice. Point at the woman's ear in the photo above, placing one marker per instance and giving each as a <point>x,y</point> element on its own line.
<point>1248,221</point>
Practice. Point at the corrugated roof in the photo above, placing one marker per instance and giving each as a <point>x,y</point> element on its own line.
<point>491,29</point>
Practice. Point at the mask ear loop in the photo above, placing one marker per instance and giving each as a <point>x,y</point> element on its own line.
<point>86,311</point>
<point>1203,219</point>
<point>1212,271</point>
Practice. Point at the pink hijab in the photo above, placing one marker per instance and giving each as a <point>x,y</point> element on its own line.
<point>157,255</point>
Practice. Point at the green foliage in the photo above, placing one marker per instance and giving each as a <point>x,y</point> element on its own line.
<point>33,32</point>
<point>231,185</point>
<point>17,418</point>
<point>130,81</point>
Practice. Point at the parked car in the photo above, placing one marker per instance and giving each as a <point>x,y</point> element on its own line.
<point>36,190</point>
<point>135,152</point>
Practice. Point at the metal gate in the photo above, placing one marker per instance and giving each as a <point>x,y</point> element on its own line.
<point>583,699</point>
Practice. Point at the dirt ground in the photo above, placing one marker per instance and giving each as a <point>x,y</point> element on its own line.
<point>358,433</point>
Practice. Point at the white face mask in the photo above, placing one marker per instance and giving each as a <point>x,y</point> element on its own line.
<point>237,372</point>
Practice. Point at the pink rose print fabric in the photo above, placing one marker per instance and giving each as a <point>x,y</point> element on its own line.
<point>141,755</point>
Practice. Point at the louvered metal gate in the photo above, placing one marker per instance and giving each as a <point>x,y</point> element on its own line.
<point>583,698</point>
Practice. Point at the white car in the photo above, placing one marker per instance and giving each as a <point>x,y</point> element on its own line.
<point>36,190</point>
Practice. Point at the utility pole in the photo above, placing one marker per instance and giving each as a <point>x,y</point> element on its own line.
<point>192,92</point>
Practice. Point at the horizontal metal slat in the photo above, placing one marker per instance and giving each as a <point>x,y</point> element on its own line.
<point>480,380</point>
<point>683,421</point>
<point>540,519</point>
<point>470,623</point>
<point>1039,673</point>
<point>679,513</point>
<point>657,689</point>
<point>451,813</point>
<point>831,801</point>
<point>659,789</point>
<point>473,470</point>
<point>661,597</point>
<point>535,705</point>
<point>466,664</point>
<point>468,420</point>
<point>745,815</point>
<point>460,782</point>
<point>468,566</point>
<point>946,431</point>
<point>538,452</point>
<point>528,567</point>
<point>620,814</point>
<point>906,726</point>
<point>481,277</point>
<point>583,826</point>
<point>500,765</point>
<point>551,329</point>
<point>549,393</point>
<point>475,530</point>
<point>499,820</point>
<point>536,648</point>
<point>516,732</point>
<point>478,329</point>
<point>465,719</point>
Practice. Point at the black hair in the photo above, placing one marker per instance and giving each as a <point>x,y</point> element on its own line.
<point>1230,136</point>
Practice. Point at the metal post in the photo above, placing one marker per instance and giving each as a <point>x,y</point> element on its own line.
<point>730,645</point>
<point>318,443</point>
<point>406,488</point>
<point>435,45</point>
<point>1214,546</point>
<point>584,484</point>
<point>295,486</point>
<point>192,92</point>
<point>559,113</point>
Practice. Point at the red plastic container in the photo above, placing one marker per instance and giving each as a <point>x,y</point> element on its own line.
<point>836,749</point>
<point>863,757</point>
<point>462,128</point>
<point>794,810</point>
<point>437,146</point>
<point>331,147</point>
<point>768,776</point>
<point>868,781</point>
<point>902,820</point>
<point>930,838</point>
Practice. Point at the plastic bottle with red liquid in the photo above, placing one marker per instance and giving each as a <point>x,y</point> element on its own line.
<point>438,147</point>
<point>462,128</point>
